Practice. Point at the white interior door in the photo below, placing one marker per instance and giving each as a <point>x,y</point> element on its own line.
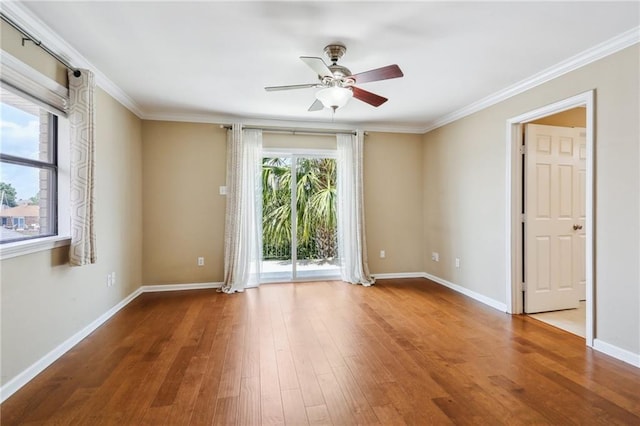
<point>554,217</point>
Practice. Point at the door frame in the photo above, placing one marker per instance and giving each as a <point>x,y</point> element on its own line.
<point>514,193</point>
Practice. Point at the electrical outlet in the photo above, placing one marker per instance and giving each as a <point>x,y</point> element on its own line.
<point>457,262</point>
<point>382,254</point>
<point>435,256</point>
<point>222,190</point>
<point>109,280</point>
<point>201,261</point>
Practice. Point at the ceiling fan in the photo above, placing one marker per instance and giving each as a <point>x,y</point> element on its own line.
<point>338,84</point>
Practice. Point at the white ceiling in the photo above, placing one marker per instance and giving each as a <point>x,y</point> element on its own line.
<point>212,59</point>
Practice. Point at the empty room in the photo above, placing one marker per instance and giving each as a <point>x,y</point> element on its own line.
<point>319,213</point>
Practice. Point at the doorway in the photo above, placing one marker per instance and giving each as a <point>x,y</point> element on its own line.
<point>519,267</point>
<point>299,219</point>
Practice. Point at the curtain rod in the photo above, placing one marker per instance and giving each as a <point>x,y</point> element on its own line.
<point>284,130</point>
<point>29,37</point>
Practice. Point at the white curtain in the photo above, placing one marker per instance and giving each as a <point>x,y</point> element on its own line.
<point>243,220</point>
<point>83,158</point>
<point>352,247</point>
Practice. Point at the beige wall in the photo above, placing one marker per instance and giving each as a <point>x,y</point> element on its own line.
<point>45,301</point>
<point>574,117</point>
<point>184,164</point>
<point>281,140</point>
<point>465,186</point>
<point>464,206</point>
<point>393,192</point>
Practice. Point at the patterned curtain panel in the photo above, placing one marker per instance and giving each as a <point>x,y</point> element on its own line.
<point>243,220</point>
<point>352,245</point>
<point>82,123</point>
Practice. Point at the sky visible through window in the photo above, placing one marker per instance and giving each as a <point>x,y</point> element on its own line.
<point>19,132</point>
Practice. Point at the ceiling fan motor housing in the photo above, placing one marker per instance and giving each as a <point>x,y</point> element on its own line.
<point>335,51</point>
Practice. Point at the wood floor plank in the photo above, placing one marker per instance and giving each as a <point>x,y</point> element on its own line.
<point>318,415</point>
<point>182,407</point>
<point>173,379</point>
<point>270,398</point>
<point>226,411</point>
<point>271,409</point>
<point>232,367</point>
<point>337,405</point>
<point>249,401</point>
<point>153,416</point>
<point>326,353</point>
<point>307,380</point>
<point>415,407</point>
<point>389,415</point>
<point>330,350</point>
<point>205,403</point>
<point>293,407</point>
<point>251,354</point>
<point>356,400</point>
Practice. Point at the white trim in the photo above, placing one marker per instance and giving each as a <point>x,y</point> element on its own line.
<point>37,367</point>
<point>64,176</point>
<point>298,280</point>
<point>514,196</point>
<point>178,287</point>
<point>20,248</point>
<point>470,293</point>
<point>299,152</point>
<point>26,19</point>
<point>397,275</point>
<point>293,124</point>
<point>597,52</point>
<point>616,352</point>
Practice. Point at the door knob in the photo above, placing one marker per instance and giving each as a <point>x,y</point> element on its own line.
<point>576,227</point>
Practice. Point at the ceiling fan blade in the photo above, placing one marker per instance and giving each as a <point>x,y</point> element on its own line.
<point>368,97</point>
<point>384,73</point>
<point>316,106</point>
<point>318,65</point>
<point>290,87</point>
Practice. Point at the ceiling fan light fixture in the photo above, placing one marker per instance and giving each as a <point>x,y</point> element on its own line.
<point>334,97</point>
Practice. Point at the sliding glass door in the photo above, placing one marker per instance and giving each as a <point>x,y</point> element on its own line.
<point>299,217</point>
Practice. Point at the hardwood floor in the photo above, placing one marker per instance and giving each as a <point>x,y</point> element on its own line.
<point>402,352</point>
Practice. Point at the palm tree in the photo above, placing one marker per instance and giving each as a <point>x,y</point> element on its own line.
<point>276,208</point>
<point>315,207</point>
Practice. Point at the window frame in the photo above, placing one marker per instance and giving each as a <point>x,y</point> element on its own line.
<point>59,165</point>
<point>52,167</point>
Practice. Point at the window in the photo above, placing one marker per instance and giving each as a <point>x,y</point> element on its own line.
<point>29,168</point>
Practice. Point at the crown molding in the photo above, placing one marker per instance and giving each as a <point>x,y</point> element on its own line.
<point>258,121</point>
<point>27,20</point>
<point>599,51</point>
